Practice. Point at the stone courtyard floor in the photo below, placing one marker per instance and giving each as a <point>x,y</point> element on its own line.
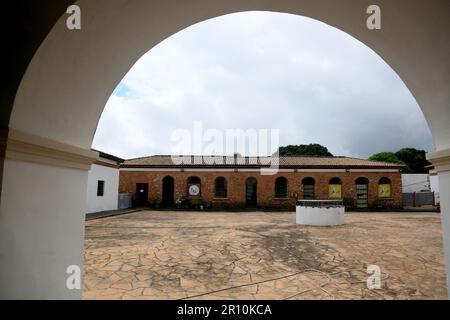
<point>262,255</point>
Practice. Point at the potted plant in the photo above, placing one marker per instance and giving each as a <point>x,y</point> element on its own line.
<point>348,202</point>
<point>179,202</point>
<point>186,202</point>
<point>157,202</point>
<point>378,203</point>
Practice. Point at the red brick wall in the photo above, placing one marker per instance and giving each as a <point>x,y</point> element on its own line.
<point>265,188</point>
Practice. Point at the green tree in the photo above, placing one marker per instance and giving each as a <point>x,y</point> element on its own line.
<point>312,149</point>
<point>386,157</point>
<point>414,159</point>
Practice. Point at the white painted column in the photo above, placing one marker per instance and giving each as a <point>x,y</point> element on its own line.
<point>441,161</point>
<point>42,214</point>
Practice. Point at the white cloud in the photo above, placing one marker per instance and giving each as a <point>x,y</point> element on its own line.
<point>263,70</point>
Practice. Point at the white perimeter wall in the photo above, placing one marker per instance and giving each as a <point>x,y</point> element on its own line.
<point>415,182</point>
<point>109,200</point>
<point>434,183</point>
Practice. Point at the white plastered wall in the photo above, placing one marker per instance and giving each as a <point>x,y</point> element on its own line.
<point>110,197</point>
<point>42,230</point>
<point>415,182</point>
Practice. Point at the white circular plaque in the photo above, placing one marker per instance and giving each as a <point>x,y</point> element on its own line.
<point>194,190</point>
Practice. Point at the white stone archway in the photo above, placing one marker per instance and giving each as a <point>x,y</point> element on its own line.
<point>73,73</point>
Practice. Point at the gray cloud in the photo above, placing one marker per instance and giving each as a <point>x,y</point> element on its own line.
<point>263,70</point>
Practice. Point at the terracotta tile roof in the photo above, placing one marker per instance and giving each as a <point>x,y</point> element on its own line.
<point>231,161</point>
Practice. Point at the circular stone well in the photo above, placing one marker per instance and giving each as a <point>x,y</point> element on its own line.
<point>320,212</point>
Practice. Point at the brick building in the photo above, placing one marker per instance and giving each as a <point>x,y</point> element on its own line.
<point>234,182</point>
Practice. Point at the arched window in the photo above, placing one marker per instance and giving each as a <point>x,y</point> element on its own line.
<point>384,188</point>
<point>362,180</point>
<point>220,187</point>
<point>194,186</point>
<point>308,188</point>
<point>168,190</point>
<point>335,188</point>
<point>384,180</point>
<point>362,192</point>
<point>251,192</point>
<point>281,189</point>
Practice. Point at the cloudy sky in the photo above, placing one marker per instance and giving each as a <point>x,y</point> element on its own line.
<point>261,71</point>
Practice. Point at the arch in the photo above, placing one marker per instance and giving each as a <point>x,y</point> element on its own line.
<point>308,187</point>
<point>193,179</point>
<point>168,178</point>
<point>384,180</point>
<point>335,188</point>
<point>362,180</point>
<point>220,187</point>
<point>251,180</point>
<point>43,104</point>
<point>281,187</point>
<point>362,192</point>
<point>308,181</point>
<point>335,180</point>
<point>251,192</point>
<point>65,113</point>
<point>168,191</point>
<point>384,188</point>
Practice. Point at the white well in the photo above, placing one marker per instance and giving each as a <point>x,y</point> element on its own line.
<point>320,212</point>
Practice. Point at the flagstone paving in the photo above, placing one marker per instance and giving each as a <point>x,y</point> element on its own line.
<point>262,255</point>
